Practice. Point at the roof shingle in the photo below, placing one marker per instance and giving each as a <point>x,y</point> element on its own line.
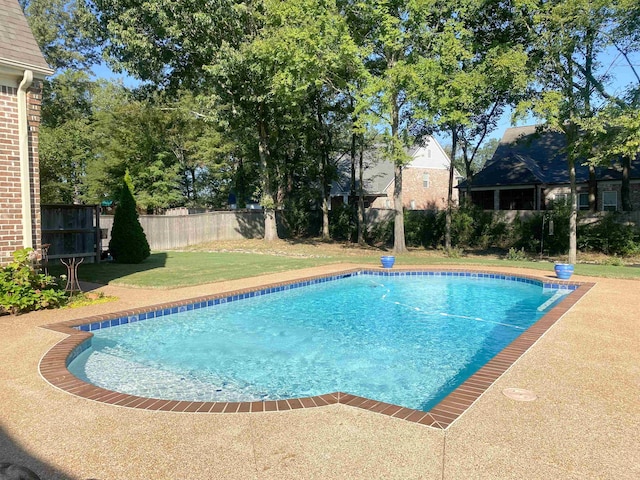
<point>18,47</point>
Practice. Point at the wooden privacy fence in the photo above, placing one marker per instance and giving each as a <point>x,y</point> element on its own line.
<point>170,232</point>
<point>166,232</point>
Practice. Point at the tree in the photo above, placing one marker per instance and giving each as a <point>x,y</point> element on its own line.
<point>66,137</point>
<point>572,40</point>
<point>391,32</point>
<point>128,242</point>
<point>65,31</point>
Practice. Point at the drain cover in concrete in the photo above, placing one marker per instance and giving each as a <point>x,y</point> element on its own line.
<point>520,394</point>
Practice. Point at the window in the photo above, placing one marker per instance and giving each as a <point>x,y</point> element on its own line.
<point>610,201</point>
<point>387,204</point>
<point>428,153</point>
<point>583,201</point>
<point>425,180</point>
<point>562,199</point>
<point>517,199</point>
<point>483,199</point>
<point>413,204</point>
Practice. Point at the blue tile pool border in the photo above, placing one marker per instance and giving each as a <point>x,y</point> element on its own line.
<point>53,366</point>
<point>234,297</point>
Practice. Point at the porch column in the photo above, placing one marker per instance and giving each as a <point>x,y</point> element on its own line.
<point>496,199</point>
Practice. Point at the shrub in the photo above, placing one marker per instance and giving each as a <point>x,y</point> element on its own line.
<point>381,232</point>
<point>23,289</point>
<point>609,236</point>
<point>128,242</point>
<point>341,226</point>
<point>516,255</point>
<point>300,220</point>
<point>529,233</point>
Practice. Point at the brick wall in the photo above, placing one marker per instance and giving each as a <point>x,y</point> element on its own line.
<point>602,187</point>
<point>425,198</point>
<point>11,237</point>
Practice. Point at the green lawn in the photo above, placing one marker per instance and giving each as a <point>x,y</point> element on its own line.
<point>177,269</point>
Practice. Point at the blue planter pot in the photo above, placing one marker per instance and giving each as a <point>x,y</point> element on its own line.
<point>387,261</point>
<point>564,270</point>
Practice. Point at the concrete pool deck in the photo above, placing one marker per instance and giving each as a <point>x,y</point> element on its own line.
<point>584,423</point>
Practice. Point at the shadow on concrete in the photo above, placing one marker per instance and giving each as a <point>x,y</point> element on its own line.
<point>12,452</point>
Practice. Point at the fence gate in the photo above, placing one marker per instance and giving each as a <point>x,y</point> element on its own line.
<point>71,231</point>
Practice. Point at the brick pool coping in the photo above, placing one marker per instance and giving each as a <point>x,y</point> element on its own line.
<point>53,365</point>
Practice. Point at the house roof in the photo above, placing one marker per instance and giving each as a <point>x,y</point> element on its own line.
<point>18,47</point>
<point>528,157</point>
<point>379,173</point>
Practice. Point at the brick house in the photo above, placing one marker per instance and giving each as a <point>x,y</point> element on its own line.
<point>425,179</point>
<point>529,172</point>
<point>22,70</point>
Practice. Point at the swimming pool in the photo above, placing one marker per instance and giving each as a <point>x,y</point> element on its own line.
<point>405,339</point>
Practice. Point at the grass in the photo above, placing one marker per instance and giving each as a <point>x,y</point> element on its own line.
<point>221,261</point>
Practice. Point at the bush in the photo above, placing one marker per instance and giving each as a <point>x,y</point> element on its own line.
<point>609,236</point>
<point>381,233</point>
<point>23,289</point>
<point>516,255</point>
<point>128,242</point>
<point>341,226</point>
<point>300,220</point>
<point>529,233</point>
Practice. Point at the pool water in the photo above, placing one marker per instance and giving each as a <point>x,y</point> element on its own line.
<point>406,340</point>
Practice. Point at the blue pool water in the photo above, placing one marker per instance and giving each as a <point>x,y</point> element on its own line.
<point>405,340</point>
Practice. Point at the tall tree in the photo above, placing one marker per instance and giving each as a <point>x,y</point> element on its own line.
<point>65,31</point>
<point>391,32</point>
<point>573,39</point>
<point>66,137</point>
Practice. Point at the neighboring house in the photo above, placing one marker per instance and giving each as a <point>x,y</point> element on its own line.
<point>22,69</point>
<point>529,172</point>
<point>425,179</point>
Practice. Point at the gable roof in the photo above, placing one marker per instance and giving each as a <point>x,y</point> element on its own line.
<point>379,173</point>
<point>528,157</point>
<point>18,47</point>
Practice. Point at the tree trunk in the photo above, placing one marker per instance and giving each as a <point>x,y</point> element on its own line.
<point>625,191</point>
<point>353,200</point>
<point>449,212</point>
<point>573,216</point>
<point>194,193</point>
<point>593,189</point>
<point>361,224</point>
<point>325,217</point>
<point>399,245</point>
<point>398,218</point>
<point>268,204</point>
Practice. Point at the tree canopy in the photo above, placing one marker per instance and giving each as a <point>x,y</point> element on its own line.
<point>256,100</point>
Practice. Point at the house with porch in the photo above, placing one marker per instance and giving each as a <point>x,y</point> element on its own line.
<point>529,172</point>
<point>425,179</point>
<point>22,70</point>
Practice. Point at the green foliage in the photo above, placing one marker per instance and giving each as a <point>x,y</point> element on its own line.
<point>470,227</point>
<point>454,252</point>
<point>381,233</point>
<point>516,255</point>
<point>610,236</point>
<point>299,219</point>
<point>23,289</point>
<point>528,233</point>
<point>65,31</point>
<point>340,224</point>
<point>128,241</point>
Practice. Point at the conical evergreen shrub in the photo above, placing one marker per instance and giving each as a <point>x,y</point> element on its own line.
<point>128,242</point>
